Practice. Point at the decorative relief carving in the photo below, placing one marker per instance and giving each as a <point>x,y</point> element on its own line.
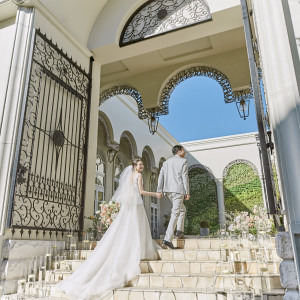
<point>229,95</point>
<point>126,90</point>
<point>161,16</point>
<point>163,109</point>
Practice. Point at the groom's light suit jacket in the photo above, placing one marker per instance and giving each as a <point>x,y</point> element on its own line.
<point>173,176</point>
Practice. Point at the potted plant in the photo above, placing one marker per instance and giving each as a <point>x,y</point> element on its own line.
<point>204,228</point>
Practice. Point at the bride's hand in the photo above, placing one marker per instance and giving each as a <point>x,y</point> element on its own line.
<point>158,195</point>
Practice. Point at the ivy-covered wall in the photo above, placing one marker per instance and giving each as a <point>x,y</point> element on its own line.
<point>242,188</point>
<point>203,204</point>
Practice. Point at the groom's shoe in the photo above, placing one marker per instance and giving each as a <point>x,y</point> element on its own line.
<point>179,234</point>
<point>166,245</point>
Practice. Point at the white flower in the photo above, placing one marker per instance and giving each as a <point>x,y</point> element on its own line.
<point>98,212</point>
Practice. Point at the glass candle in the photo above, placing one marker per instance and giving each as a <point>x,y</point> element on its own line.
<point>48,261</point>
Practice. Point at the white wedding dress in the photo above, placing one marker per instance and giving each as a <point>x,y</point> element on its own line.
<point>116,258</point>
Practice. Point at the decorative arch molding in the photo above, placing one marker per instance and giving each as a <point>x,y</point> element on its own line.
<point>240,161</point>
<point>158,17</point>
<point>149,153</point>
<point>129,91</point>
<point>104,121</point>
<point>207,169</point>
<point>131,142</point>
<point>229,95</point>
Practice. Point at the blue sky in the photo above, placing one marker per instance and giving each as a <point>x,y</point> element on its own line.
<point>197,111</point>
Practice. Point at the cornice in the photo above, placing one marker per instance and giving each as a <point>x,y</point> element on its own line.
<point>53,20</point>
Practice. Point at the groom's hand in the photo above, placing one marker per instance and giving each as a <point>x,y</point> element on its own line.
<point>187,197</point>
<point>159,195</point>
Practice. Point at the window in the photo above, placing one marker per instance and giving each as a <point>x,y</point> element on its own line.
<point>154,208</point>
<point>99,179</point>
<point>119,167</point>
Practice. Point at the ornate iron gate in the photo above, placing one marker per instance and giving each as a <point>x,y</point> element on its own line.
<point>49,180</point>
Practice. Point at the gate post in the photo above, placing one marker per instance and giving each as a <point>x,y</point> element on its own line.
<point>13,102</point>
<point>283,101</point>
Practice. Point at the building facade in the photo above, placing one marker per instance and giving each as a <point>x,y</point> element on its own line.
<point>62,61</point>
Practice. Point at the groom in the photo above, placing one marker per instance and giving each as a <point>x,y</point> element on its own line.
<point>173,181</point>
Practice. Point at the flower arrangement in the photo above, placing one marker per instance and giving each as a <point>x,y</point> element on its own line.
<point>254,222</point>
<point>103,217</point>
<point>108,212</point>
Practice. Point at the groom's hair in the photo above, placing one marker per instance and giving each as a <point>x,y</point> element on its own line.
<point>176,148</point>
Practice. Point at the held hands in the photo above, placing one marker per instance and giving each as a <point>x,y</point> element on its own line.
<point>187,197</point>
<point>158,195</point>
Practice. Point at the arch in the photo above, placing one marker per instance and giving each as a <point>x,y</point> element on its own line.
<point>187,72</point>
<point>125,90</point>
<point>127,135</point>
<point>242,186</point>
<point>209,171</point>
<point>203,204</point>
<point>158,17</point>
<point>108,131</point>
<point>240,161</point>
<point>149,157</point>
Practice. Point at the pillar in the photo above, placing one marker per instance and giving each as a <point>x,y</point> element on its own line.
<point>13,104</point>
<point>92,142</point>
<point>283,100</point>
<point>221,200</point>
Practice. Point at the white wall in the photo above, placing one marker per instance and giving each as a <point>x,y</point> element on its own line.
<point>217,153</point>
<point>122,113</point>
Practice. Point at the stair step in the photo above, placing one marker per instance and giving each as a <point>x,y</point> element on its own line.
<point>181,294</point>
<point>213,254</point>
<point>211,243</point>
<point>162,280</point>
<point>204,267</point>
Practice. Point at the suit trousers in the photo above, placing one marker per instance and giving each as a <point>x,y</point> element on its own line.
<point>177,215</point>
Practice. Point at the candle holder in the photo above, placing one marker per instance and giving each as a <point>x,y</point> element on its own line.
<point>69,236</point>
<point>21,287</point>
<point>48,261</point>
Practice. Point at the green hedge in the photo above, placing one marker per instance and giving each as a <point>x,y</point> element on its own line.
<point>242,188</point>
<point>203,204</point>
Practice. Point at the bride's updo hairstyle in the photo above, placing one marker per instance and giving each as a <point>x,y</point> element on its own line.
<point>135,162</point>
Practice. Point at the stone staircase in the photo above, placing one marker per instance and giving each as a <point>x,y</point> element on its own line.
<point>203,269</point>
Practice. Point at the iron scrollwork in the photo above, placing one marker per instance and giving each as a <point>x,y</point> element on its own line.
<point>126,90</point>
<point>160,16</point>
<point>48,190</point>
<point>229,95</point>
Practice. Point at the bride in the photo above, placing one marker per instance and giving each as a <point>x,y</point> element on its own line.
<point>116,258</point>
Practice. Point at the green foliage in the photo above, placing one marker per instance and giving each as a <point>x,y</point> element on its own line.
<point>203,204</point>
<point>204,224</point>
<point>242,189</point>
<point>278,197</point>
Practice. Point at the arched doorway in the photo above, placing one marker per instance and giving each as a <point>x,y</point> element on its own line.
<point>203,204</point>
<point>242,186</point>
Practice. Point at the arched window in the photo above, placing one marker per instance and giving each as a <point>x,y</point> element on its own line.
<point>119,167</point>
<point>99,179</point>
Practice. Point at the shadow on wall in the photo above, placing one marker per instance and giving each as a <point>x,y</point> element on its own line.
<point>242,189</point>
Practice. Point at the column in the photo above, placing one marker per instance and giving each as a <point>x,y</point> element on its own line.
<point>13,103</point>
<point>221,200</point>
<point>282,96</point>
<point>92,142</point>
